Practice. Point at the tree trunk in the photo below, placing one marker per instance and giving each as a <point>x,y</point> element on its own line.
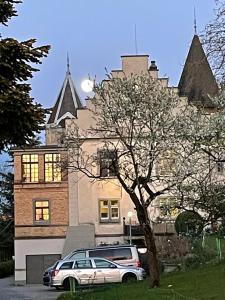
<point>144,221</point>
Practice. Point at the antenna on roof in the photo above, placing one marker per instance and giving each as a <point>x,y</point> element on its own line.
<point>195,22</point>
<point>135,39</point>
<point>68,63</point>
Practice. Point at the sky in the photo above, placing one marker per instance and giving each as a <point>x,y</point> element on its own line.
<point>96,33</point>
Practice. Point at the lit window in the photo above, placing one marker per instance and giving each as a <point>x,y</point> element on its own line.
<point>109,210</point>
<point>166,164</point>
<point>30,167</point>
<point>52,168</point>
<point>168,208</point>
<point>107,163</point>
<point>41,210</point>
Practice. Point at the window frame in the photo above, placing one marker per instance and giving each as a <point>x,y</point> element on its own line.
<point>41,222</point>
<point>54,167</point>
<point>172,212</point>
<point>76,264</point>
<point>106,172</point>
<point>220,167</point>
<point>30,163</point>
<point>164,164</point>
<point>110,219</point>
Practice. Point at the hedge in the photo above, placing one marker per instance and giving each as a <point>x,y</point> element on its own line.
<point>6,268</point>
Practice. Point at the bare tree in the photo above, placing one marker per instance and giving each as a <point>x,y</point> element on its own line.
<point>139,125</point>
<point>214,40</point>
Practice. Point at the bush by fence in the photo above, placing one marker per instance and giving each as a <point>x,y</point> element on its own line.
<point>6,268</point>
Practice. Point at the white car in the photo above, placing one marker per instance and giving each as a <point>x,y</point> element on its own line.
<point>92,271</point>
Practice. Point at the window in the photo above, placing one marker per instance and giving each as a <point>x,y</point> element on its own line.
<point>168,208</point>
<point>109,210</point>
<point>112,254</point>
<point>42,211</point>
<point>83,264</point>
<point>166,164</point>
<point>107,163</point>
<point>67,265</point>
<point>78,255</point>
<point>52,168</point>
<point>100,263</point>
<point>30,167</point>
<point>219,167</point>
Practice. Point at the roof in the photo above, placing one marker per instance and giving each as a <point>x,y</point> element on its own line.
<point>197,81</point>
<point>67,103</point>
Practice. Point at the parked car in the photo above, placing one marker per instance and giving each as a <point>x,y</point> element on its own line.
<point>122,254</point>
<point>92,271</point>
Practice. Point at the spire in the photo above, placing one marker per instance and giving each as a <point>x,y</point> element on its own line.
<point>195,22</point>
<point>197,81</point>
<point>68,64</point>
<point>135,39</point>
<point>67,103</point>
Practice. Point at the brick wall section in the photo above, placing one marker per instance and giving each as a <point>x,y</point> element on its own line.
<point>17,168</point>
<point>25,194</point>
<point>41,167</point>
<point>58,231</point>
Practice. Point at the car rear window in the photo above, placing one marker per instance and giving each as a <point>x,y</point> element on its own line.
<point>112,254</point>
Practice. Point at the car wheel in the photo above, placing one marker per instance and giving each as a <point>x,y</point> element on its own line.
<point>66,283</point>
<point>129,277</point>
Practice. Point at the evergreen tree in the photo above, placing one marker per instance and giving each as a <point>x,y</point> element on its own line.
<point>20,116</point>
<point>6,210</point>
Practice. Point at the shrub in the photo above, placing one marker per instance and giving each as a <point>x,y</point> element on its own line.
<point>6,268</point>
<point>198,255</point>
<point>189,223</point>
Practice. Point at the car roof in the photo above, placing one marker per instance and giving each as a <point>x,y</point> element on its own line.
<point>85,258</point>
<point>106,247</point>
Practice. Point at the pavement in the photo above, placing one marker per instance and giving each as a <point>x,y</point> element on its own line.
<point>8,291</point>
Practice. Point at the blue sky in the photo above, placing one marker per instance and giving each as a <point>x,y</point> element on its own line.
<point>96,33</point>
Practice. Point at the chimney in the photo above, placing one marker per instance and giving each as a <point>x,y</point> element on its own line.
<point>153,70</point>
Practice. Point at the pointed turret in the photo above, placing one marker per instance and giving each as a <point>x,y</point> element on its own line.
<point>67,102</point>
<point>197,81</point>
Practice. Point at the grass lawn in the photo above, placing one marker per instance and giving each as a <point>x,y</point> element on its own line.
<point>202,284</point>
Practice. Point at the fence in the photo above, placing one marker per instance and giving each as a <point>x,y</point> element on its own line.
<point>6,254</point>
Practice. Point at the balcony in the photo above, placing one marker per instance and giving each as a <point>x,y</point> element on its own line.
<point>164,228</point>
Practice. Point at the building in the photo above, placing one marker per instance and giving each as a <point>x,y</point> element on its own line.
<point>57,212</point>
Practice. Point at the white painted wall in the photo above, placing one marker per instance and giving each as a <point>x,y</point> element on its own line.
<point>33,247</point>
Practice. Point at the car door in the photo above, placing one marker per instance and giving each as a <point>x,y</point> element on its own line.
<point>85,272</point>
<point>106,271</point>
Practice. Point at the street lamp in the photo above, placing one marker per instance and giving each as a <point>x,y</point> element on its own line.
<point>129,215</point>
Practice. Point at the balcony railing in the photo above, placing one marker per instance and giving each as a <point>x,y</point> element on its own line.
<point>164,228</point>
